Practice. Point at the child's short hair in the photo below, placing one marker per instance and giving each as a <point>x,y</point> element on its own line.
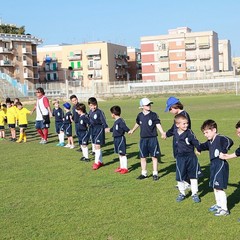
<point>55,101</point>
<point>93,101</point>
<point>81,107</point>
<point>209,124</point>
<point>180,117</point>
<point>116,110</point>
<point>237,124</point>
<point>178,105</point>
<point>73,96</point>
<point>18,103</point>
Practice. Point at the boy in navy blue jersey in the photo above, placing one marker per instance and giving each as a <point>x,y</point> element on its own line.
<point>83,130</point>
<point>97,130</point>
<point>148,122</point>
<point>119,128</point>
<point>58,114</point>
<point>219,169</point>
<point>67,125</point>
<point>174,106</point>
<point>187,166</point>
<point>75,117</point>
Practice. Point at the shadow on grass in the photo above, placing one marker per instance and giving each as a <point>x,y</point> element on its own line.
<point>234,198</point>
<point>203,182</point>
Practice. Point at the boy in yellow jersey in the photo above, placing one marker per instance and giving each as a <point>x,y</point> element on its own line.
<point>22,113</point>
<point>11,119</point>
<point>2,122</point>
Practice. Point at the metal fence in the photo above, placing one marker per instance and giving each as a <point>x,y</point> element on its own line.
<point>130,88</point>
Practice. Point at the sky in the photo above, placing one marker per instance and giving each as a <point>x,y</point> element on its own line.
<point>121,22</point>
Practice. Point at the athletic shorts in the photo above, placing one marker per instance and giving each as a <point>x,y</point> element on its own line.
<point>149,147</point>
<point>120,145</point>
<point>67,129</point>
<point>98,135</point>
<point>219,174</point>
<point>40,125</point>
<point>58,126</point>
<point>83,137</point>
<point>24,126</point>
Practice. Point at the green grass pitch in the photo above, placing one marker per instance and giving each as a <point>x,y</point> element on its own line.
<point>47,193</point>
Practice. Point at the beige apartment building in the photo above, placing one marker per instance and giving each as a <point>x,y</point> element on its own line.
<point>183,54</point>
<point>98,62</point>
<point>18,56</point>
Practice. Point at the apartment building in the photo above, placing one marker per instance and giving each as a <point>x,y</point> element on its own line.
<point>180,55</point>
<point>134,63</point>
<point>225,63</point>
<point>18,56</point>
<point>98,62</point>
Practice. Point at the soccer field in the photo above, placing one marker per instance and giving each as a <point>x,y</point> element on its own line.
<point>47,193</point>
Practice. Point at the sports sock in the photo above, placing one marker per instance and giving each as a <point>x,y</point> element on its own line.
<point>124,162</point>
<point>97,155</point>
<point>61,137</point>
<point>223,199</point>
<point>144,173</point>
<point>194,186</point>
<point>155,173</point>
<point>93,147</point>
<point>45,133</point>
<point>181,187</point>
<point>40,133</point>
<point>217,197</point>
<point>85,151</point>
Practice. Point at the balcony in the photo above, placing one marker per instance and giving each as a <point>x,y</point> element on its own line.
<point>191,69</point>
<point>6,63</point>
<point>49,59</point>
<point>203,45</point>
<point>191,46</point>
<point>6,50</point>
<point>191,57</point>
<point>205,68</point>
<point>27,63</point>
<point>163,58</point>
<point>75,57</point>
<point>27,75</point>
<point>204,56</point>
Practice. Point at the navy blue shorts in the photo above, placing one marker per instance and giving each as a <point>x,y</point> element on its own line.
<point>58,126</point>
<point>12,125</point>
<point>187,167</point>
<point>2,127</point>
<point>149,146</point>
<point>24,126</point>
<point>41,125</point>
<point>120,145</point>
<point>98,135</point>
<point>83,137</point>
<point>219,174</point>
<point>67,129</point>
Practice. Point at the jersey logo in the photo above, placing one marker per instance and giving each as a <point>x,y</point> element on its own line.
<point>216,153</point>
<point>58,113</point>
<point>116,127</point>
<point>150,122</point>
<point>187,142</point>
<point>95,116</point>
<point>81,122</point>
<point>216,183</point>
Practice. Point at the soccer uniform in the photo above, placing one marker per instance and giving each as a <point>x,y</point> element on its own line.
<point>119,128</point>
<point>2,118</point>
<point>58,114</point>
<point>22,117</point>
<point>67,125</point>
<point>187,166</point>
<point>83,126</point>
<point>76,121</point>
<point>11,117</point>
<point>219,169</point>
<point>97,125</point>
<point>148,134</point>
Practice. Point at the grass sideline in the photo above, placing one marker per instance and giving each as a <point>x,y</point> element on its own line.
<point>47,193</point>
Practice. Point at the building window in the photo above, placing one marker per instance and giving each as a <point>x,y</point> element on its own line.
<point>179,65</point>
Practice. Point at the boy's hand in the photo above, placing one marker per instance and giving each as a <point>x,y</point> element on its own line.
<point>197,152</point>
<point>107,130</point>
<point>164,136</point>
<point>130,131</point>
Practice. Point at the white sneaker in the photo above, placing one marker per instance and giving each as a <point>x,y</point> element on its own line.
<point>221,212</point>
<point>72,147</point>
<point>67,146</point>
<point>41,140</point>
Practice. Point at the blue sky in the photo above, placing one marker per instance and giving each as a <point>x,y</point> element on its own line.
<point>121,22</point>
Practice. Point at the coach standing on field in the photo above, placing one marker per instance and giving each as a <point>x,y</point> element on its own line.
<point>43,114</point>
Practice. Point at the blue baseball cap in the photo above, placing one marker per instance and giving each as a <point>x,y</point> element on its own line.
<point>170,102</point>
<point>67,105</point>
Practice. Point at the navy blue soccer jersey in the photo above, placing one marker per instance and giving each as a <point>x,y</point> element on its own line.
<point>148,124</point>
<point>184,143</point>
<point>67,119</point>
<point>219,144</point>
<point>84,122</point>
<point>75,114</point>
<point>58,114</point>
<point>97,118</point>
<point>170,132</point>
<point>119,128</point>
